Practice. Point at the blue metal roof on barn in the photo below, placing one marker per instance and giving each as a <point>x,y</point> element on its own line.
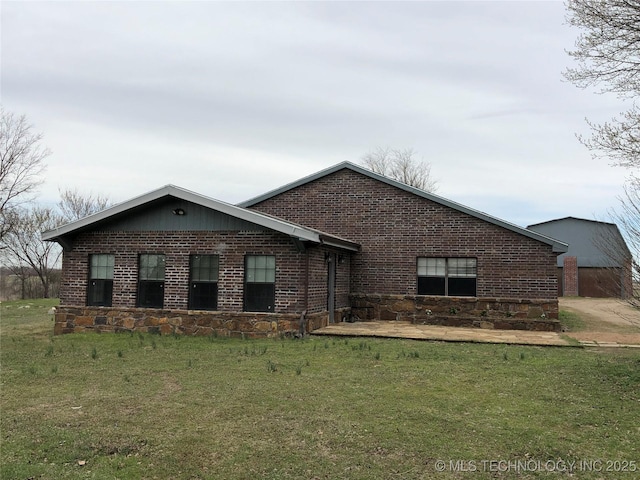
<point>594,243</point>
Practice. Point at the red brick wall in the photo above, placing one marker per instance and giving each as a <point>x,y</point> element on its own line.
<point>177,246</point>
<point>394,227</point>
<point>318,279</point>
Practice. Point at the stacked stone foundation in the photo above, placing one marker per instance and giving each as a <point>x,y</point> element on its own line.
<point>471,312</point>
<point>71,319</point>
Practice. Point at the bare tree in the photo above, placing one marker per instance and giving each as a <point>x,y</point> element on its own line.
<point>25,249</point>
<point>626,252</point>
<point>21,165</point>
<point>22,275</point>
<point>401,165</point>
<point>607,54</point>
<point>614,263</point>
<point>27,256</point>
<point>74,205</point>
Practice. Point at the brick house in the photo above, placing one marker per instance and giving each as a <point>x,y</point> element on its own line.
<point>343,244</point>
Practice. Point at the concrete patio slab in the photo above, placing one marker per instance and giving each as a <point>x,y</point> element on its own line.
<point>609,323</point>
<point>391,329</point>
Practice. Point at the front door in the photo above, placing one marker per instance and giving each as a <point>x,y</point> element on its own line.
<point>331,286</point>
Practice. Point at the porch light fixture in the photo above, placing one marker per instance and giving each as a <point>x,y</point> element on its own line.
<point>178,211</point>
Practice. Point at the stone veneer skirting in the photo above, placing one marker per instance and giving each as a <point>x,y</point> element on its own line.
<point>74,319</point>
<point>497,313</point>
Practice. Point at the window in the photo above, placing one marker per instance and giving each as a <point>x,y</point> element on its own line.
<point>259,283</point>
<point>203,289</point>
<point>151,281</point>
<point>100,288</point>
<point>447,276</point>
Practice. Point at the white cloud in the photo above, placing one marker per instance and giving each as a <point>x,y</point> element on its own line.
<point>234,99</point>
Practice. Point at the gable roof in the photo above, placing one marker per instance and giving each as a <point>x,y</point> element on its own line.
<point>557,246</point>
<point>594,243</point>
<point>297,232</point>
<point>557,220</point>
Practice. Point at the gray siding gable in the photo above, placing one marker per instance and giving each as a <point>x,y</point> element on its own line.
<point>158,216</point>
<point>143,213</point>
<point>586,239</point>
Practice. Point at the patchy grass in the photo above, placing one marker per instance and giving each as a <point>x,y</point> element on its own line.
<point>133,406</point>
<point>571,322</point>
<point>599,315</point>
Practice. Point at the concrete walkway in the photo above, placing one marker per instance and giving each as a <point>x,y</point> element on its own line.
<point>390,329</point>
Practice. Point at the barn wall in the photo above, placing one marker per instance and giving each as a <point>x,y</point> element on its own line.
<point>600,282</point>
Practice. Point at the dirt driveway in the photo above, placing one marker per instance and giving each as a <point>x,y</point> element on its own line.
<point>605,320</point>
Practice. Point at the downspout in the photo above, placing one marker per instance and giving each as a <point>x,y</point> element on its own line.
<point>306,281</point>
<point>303,320</point>
<point>300,246</point>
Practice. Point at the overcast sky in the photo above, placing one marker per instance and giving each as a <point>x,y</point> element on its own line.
<point>234,99</point>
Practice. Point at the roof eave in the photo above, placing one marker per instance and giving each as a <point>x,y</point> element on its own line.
<point>52,235</point>
<point>557,246</point>
<point>253,216</point>
<point>339,243</point>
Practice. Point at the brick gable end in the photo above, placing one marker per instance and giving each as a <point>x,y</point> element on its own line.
<point>394,227</point>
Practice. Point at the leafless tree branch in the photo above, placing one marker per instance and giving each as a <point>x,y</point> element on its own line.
<point>21,165</point>
<point>73,205</point>
<point>607,54</point>
<point>24,246</point>
<point>401,165</point>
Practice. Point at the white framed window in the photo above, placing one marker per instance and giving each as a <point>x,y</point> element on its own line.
<point>259,283</point>
<point>454,277</point>
<point>203,288</point>
<point>151,280</point>
<point>100,287</point>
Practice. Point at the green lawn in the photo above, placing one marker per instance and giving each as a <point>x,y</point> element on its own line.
<point>571,322</point>
<point>134,406</point>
